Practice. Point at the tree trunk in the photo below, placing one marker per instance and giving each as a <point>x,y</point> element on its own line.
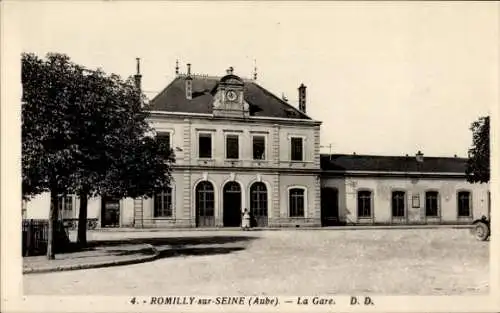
<point>52,227</point>
<point>82,219</point>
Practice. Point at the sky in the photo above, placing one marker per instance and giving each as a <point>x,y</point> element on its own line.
<point>386,78</point>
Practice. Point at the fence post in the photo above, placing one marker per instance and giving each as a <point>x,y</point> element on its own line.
<point>28,237</point>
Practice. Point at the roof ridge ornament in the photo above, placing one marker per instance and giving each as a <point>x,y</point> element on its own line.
<point>254,69</point>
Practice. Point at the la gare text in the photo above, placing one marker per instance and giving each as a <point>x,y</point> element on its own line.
<point>251,301</point>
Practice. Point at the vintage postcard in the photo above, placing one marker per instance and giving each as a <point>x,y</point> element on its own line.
<point>193,156</point>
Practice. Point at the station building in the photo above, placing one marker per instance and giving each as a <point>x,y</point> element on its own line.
<point>239,146</point>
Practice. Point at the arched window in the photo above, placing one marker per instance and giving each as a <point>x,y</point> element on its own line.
<point>398,204</point>
<point>364,203</point>
<point>163,203</point>
<point>464,204</point>
<point>431,203</point>
<point>296,202</point>
<point>205,199</point>
<point>258,199</point>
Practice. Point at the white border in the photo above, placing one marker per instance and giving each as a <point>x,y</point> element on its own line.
<point>12,299</point>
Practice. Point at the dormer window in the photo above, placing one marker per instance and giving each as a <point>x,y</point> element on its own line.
<point>229,98</point>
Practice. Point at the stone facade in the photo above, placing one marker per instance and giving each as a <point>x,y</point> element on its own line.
<point>276,171</point>
<point>212,123</point>
<point>415,190</point>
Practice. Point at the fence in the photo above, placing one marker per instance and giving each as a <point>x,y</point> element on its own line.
<point>35,237</point>
<point>72,223</point>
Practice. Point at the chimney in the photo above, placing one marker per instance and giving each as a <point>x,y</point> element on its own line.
<point>138,76</point>
<point>302,98</point>
<point>189,83</point>
<point>176,67</point>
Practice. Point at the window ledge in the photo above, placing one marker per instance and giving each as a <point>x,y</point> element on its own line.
<point>206,161</point>
<point>233,161</point>
<point>259,162</point>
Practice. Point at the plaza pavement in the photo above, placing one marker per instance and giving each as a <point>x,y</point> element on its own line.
<point>94,256</point>
<point>287,262</point>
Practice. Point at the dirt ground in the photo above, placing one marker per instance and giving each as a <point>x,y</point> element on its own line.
<point>287,262</point>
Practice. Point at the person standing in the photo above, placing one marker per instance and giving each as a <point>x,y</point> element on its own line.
<point>245,222</point>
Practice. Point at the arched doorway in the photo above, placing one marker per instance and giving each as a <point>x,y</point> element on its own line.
<point>258,204</point>
<point>232,204</point>
<point>329,206</point>
<point>205,204</point>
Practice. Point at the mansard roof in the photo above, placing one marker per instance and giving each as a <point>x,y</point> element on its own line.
<point>402,164</point>
<point>262,103</point>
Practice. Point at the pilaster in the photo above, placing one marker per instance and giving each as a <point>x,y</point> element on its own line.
<point>187,181</point>
<point>275,145</point>
<point>138,213</point>
<point>317,141</point>
<point>276,197</point>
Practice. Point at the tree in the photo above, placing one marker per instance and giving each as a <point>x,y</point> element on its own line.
<point>478,163</point>
<point>120,160</point>
<point>49,149</point>
<point>85,133</point>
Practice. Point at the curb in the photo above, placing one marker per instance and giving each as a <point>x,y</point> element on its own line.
<point>95,265</point>
<point>324,228</point>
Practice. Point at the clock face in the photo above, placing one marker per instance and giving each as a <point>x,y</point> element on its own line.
<point>231,95</point>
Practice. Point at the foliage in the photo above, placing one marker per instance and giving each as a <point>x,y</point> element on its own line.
<point>478,164</point>
<point>49,149</point>
<point>85,133</point>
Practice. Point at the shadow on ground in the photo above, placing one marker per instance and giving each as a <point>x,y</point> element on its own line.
<point>171,246</point>
<point>173,241</point>
<point>198,251</point>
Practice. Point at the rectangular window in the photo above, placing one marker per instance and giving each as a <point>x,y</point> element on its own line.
<point>296,202</point>
<point>65,207</point>
<point>164,138</point>
<point>232,147</point>
<point>259,147</point>
<point>431,203</point>
<point>364,204</point>
<point>398,204</point>
<point>297,149</point>
<point>163,204</point>
<point>205,146</point>
<point>464,201</point>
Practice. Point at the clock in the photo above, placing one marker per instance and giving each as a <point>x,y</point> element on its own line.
<point>231,95</point>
